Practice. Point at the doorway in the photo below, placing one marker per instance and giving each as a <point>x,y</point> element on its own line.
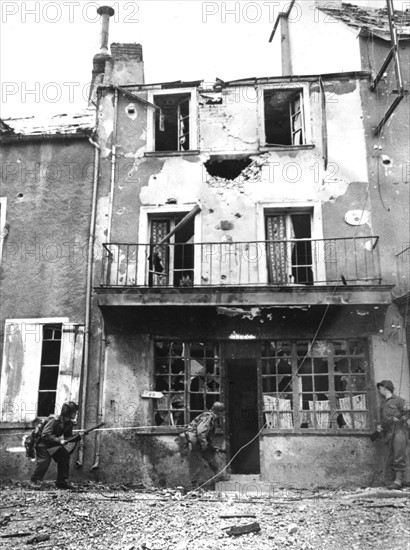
<point>242,392</point>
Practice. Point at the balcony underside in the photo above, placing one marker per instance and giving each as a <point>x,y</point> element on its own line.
<point>246,296</point>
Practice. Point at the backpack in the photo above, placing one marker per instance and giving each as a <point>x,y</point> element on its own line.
<point>31,440</point>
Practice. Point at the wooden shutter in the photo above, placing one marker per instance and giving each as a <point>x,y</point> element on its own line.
<point>71,358</point>
<point>20,370</point>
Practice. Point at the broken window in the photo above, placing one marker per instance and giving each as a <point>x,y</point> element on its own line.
<point>41,367</point>
<point>284,117</point>
<point>171,263</point>
<point>172,123</point>
<point>50,365</point>
<point>188,374</point>
<point>318,386</point>
<point>289,248</point>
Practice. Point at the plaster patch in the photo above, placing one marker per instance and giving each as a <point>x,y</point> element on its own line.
<point>357,217</point>
<point>331,190</point>
<point>178,176</point>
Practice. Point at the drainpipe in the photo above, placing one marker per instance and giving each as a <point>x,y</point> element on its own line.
<point>103,364</point>
<point>113,163</point>
<point>90,258</point>
<point>100,403</point>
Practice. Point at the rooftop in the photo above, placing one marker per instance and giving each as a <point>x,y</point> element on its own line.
<point>374,20</point>
<point>63,124</point>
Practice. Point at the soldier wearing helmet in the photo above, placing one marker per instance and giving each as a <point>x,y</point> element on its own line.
<point>200,434</point>
<point>51,445</point>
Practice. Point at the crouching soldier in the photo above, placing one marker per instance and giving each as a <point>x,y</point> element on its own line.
<point>200,434</point>
<point>51,445</point>
<point>393,428</point>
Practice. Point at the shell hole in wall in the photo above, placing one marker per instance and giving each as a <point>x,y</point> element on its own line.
<point>228,169</point>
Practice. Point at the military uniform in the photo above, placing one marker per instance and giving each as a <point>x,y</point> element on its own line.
<point>49,447</point>
<point>395,433</point>
<point>199,435</point>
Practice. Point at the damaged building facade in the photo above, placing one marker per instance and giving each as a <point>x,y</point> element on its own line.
<point>242,253</point>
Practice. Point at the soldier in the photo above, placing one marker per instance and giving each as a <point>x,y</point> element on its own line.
<point>393,428</point>
<point>51,445</point>
<point>200,434</point>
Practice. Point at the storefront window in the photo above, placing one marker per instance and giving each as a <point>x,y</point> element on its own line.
<point>189,376</point>
<point>317,386</point>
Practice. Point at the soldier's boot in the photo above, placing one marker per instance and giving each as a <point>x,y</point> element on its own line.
<point>398,481</point>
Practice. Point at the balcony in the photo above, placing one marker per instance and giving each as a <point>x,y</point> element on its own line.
<point>204,272</point>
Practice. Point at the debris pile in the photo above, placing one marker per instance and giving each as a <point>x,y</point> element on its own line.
<point>99,516</point>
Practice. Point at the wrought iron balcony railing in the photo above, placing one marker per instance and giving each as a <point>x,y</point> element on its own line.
<point>255,263</point>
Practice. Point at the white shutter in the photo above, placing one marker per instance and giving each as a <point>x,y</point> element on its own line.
<point>20,370</point>
<point>71,357</point>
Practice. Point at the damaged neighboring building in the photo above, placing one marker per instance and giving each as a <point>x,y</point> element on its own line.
<point>242,252</point>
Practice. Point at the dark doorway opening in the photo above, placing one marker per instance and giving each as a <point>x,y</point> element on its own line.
<point>243,415</point>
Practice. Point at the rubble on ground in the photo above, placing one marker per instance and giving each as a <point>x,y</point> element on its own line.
<point>126,517</point>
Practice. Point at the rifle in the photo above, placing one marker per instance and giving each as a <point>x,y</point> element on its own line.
<point>75,439</point>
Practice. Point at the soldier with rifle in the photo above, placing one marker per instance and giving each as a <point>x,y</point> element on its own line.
<point>52,444</point>
<point>393,429</point>
<point>199,435</point>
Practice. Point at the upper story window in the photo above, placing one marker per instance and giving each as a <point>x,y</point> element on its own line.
<point>173,126</point>
<point>171,260</point>
<point>284,116</point>
<point>289,247</point>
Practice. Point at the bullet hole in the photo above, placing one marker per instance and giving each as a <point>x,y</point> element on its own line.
<point>227,169</point>
<point>210,211</point>
<point>226,225</point>
<point>238,215</point>
<point>131,111</point>
<point>278,455</point>
<point>20,195</point>
<point>385,160</point>
<point>223,277</point>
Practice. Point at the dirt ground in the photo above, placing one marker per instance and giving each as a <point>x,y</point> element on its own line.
<point>97,516</point>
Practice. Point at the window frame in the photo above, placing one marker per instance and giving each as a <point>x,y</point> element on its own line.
<point>193,119</point>
<point>295,207</point>
<point>187,356</point>
<point>297,392</point>
<point>27,347</point>
<point>146,213</point>
<point>305,107</point>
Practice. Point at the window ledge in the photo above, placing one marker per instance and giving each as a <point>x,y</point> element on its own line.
<point>307,431</point>
<point>19,425</point>
<point>266,148</point>
<point>190,153</point>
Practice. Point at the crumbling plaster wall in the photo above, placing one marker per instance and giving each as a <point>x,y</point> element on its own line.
<point>388,155</point>
<point>332,462</point>
<point>274,177</point>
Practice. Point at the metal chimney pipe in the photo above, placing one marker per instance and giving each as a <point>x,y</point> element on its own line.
<point>106,12</point>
